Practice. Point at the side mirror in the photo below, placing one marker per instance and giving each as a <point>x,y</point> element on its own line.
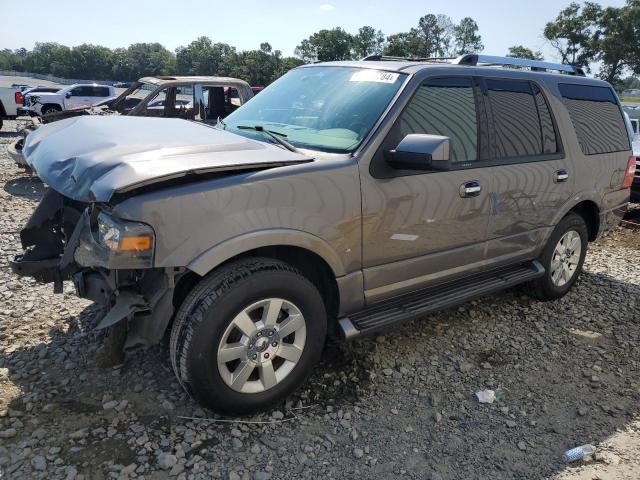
<point>418,151</point>
<point>67,95</point>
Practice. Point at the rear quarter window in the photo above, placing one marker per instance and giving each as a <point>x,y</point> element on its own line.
<point>596,117</point>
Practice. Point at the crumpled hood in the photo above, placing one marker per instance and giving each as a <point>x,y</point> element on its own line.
<point>89,158</point>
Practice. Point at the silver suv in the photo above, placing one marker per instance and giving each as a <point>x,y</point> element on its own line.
<point>345,198</point>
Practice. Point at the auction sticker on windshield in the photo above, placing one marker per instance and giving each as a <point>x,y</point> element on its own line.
<point>374,76</point>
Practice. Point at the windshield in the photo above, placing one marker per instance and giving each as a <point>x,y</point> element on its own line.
<point>331,109</point>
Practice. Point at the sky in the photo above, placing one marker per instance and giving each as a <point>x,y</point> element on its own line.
<point>246,24</point>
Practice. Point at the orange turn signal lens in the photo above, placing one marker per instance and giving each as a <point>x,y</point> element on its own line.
<point>135,244</point>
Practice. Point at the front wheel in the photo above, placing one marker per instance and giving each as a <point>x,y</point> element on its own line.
<point>562,258</point>
<point>248,335</point>
<point>50,109</point>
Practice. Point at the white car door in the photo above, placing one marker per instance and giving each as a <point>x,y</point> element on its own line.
<point>78,97</point>
<point>98,94</point>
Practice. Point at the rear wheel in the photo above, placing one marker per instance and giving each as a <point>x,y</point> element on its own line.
<point>49,109</point>
<point>0,124</point>
<point>248,335</point>
<point>562,258</point>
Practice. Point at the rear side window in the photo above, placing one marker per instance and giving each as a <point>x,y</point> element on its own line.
<point>596,118</point>
<point>445,106</point>
<point>521,118</point>
<point>100,91</point>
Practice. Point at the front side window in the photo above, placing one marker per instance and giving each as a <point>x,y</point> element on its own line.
<point>517,127</point>
<point>596,117</point>
<point>330,109</point>
<point>445,106</point>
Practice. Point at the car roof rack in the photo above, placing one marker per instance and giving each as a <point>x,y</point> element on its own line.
<point>488,61</point>
<point>387,58</point>
<point>535,65</point>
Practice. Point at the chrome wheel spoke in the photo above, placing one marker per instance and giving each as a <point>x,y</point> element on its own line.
<point>241,375</point>
<point>267,375</point>
<point>245,324</point>
<point>290,352</point>
<point>574,259</point>
<point>248,345</point>
<point>290,325</point>
<point>232,351</point>
<point>272,312</point>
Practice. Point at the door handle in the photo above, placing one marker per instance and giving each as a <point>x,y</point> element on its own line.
<point>561,176</point>
<point>470,189</point>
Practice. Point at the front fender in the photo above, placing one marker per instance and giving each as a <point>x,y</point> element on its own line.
<point>216,255</point>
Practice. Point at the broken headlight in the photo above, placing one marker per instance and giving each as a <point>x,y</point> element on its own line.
<point>116,244</point>
<point>125,239</point>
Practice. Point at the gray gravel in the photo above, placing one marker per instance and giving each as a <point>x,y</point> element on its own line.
<point>400,405</point>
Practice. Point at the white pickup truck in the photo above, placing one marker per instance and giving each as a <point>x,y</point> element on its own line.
<point>70,98</point>
<point>10,100</point>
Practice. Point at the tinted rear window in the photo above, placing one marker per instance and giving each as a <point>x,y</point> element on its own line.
<point>596,118</point>
<point>518,131</point>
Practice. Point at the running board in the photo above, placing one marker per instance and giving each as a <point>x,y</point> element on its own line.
<point>415,304</point>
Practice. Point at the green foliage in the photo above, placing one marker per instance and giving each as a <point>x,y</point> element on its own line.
<point>572,32</point>
<point>326,45</point>
<point>368,41</point>
<point>586,34</point>
<point>467,37</point>
<point>436,36</point>
<point>520,51</point>
<point>200,57</point>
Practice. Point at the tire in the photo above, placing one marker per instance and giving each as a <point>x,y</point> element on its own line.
<point>549,287</point>
<point>49,109</point>
<point>0,124</point>
<point>206,322</point>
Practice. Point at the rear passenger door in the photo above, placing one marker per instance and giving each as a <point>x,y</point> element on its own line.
<point>79,97</point>
<point>98,94</point>
<point>532,178</point>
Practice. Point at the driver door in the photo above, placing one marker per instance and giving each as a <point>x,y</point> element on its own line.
<point>423,227</point>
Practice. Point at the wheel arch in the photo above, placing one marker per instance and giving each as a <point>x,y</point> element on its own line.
<point>586,205</point>
<point>311,255</point>
<point>590,212</point>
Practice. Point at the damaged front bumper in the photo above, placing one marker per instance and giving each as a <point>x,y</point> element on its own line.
<point>60,245</point>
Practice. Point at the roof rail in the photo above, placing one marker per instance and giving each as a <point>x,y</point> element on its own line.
<point>487,60</point>
<point>535,65</point>
<point>387,58</point>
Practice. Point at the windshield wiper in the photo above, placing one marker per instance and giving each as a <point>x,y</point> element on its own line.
<point>275,136</point>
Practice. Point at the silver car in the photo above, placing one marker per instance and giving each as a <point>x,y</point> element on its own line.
<point>345,198</point>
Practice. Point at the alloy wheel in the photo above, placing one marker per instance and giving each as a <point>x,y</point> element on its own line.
<point>565,258</point>
<point>262,345</point>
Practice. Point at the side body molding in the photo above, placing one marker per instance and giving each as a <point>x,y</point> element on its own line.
<point>211,258</point>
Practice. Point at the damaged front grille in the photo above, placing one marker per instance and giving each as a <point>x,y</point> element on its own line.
<point>45,238</point>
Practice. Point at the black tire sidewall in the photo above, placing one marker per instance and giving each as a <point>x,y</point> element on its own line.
<point>571,222</point>
<point>206,382</point>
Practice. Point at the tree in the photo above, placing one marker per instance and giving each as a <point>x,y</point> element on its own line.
<point>617,41</point>
<point>12,59</point>
<point>203,57</point>
<point>571,34</point>
<point>49,58</point>
<point>405,44</point>
<point>91,62</point>
<point>325,46</point>
<point>142,59</point>
<point>467,37</point>
<point>368,41</point>
<point>435,33</point>
<point>520,51</point>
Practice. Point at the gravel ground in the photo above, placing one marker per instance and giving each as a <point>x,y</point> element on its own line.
<point>401,405</point>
